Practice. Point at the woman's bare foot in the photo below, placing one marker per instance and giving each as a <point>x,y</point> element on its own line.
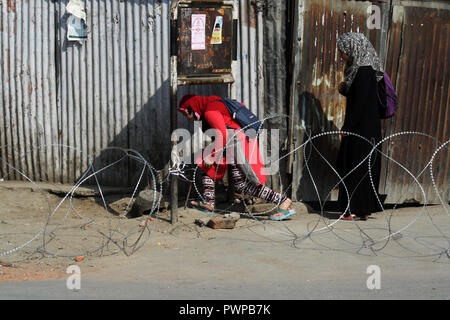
<point>284,206</point>
<point>202,205</point>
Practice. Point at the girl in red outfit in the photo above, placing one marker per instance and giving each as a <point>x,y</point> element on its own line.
<point>214,114</point>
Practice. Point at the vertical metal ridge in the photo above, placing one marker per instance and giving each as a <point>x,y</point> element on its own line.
<point>245,85</point>
<point>3,123</point>
<point>424,122</point>
<point>253,59</point>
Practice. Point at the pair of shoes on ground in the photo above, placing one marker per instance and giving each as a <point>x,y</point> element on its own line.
<point>199,205</point>
<point>354,217</point>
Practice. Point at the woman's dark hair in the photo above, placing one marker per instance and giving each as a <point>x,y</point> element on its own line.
<point>190,111</point>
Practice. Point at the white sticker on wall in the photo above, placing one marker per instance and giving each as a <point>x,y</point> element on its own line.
<point>198,31</point>
<point>217,32</point>
<point>76,29</point>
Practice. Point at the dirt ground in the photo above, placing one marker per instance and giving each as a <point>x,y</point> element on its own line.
<point>42,233</point>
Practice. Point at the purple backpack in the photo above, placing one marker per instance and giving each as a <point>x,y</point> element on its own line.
<point>388,101</point>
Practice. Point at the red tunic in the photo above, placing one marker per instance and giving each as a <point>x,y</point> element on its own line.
<point>214,114</point>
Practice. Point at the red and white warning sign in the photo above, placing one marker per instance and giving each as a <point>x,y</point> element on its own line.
<point>198,31</point>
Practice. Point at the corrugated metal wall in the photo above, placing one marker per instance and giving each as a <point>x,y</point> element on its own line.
<point>418,62</point>
<point>28,88</point>
<point>111,91</point>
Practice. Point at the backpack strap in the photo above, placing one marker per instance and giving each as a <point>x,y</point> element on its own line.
<point>221,100</point>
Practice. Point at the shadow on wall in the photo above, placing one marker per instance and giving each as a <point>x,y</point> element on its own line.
<point>318,178</point>
<point>147,133</point>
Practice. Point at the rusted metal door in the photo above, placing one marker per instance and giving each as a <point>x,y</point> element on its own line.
<point>418,62</point>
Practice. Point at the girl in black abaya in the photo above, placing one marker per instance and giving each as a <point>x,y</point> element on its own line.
<point>362,72</point>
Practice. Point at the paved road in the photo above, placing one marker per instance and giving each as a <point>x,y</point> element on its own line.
<point>263,262</point>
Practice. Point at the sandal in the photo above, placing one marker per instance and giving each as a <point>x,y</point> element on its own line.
<point>199,207</point>
<point>285,213</point>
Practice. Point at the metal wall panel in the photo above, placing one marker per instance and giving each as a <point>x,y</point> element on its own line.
<point>418,61</point>
<point>110,91</point>
<point>28,89</point>
<point>114,87</point>
<point>276,73</point>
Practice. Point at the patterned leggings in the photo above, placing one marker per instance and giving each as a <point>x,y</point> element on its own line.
<point>241,185</point>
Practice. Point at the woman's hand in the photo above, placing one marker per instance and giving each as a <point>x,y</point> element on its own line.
<point>208,162</point>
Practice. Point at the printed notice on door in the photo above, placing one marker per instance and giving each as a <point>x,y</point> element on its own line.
<point>216,37</point>
<point>198,31</point>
